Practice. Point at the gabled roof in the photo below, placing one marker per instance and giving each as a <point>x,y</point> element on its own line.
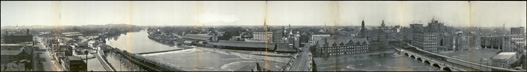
<point>342,40</point>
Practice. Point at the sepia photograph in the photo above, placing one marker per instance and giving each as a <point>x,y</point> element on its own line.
<point>261,36</point>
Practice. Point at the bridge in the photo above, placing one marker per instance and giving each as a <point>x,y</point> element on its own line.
<point>146,64</point>
<point>159,51</point>
<point>445,62</point>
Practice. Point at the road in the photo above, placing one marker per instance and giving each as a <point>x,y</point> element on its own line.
<point>107,66</point>
<point>45,62</point>
<point>302,63</point>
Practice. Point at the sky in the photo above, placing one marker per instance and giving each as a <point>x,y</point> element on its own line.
<point>255,13</point>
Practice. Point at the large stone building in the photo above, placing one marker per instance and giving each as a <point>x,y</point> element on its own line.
<point>506,43</point>
<point>517,30</point>
<point>427,41</point>
<point>262,37</point>
<point>433,37</point>
<point>332,46</point>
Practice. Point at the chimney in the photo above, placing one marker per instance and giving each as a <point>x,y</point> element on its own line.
<point>27,31</point>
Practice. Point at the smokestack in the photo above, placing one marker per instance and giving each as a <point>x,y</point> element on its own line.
<point>27,31</point>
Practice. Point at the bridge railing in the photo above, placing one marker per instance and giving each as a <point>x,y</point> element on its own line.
<point>152,65</point>
<point>455,59</point>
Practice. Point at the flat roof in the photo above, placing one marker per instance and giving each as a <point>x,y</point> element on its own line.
<point>74,58</point>
<point>11,52</point>
<point>504,55</point>
<point>197,36</point>
<point>11,45</point>
<point>245,44</point>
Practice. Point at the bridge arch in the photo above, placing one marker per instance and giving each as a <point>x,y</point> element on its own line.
<point>412,56</point>
<point>406,54</point>
<point>436,65</point>
<point>427,62</point>
<point>419,59</point>
<point>447,69</point>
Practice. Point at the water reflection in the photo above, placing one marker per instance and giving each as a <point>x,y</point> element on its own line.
<point>137,42</point>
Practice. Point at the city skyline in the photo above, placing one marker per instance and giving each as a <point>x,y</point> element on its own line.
<point>297,13</point>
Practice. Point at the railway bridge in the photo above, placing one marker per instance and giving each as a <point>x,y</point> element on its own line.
<point>444,62</point>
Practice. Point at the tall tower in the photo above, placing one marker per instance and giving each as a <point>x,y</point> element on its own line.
<point>363,30</point>
<point>382,24</point>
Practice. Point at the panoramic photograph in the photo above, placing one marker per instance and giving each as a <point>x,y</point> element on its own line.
<point>263,36</point>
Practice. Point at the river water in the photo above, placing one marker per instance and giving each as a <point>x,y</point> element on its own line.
<point>196,58</point>
<point>213,59</point>
<point>391,62</point>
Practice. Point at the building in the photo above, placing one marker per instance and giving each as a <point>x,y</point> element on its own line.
<point>255,46</point>
<point>197,39</point>
<point>435,26</point>
<point>341,46</point>
<point>74,63</point>
<point>517,30</point>
<point>12,38</point>
<point>362,33</point>
<point>504,59</point>
<point>506,43</point>
<point>427,41</point>
<point>72,34</point>
<point>16,52</point>
<point>317,37</point>
<point>262,37</point>
<point>434,37</point>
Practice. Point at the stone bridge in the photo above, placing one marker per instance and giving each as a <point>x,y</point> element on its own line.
<point>444,62</point>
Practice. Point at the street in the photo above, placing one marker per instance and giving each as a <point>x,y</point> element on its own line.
<point>303,63</point>
<point>45,61</point>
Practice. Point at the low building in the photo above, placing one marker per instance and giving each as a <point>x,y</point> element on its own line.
<point>197,39</point>
<point>73,63</point>
<point>317,37</point>
<point>504,59</point>
<point>72,34</point>
<point>15,52</point>
<point>242,45</point>
<point>256,46</point>
<point>341,46</point>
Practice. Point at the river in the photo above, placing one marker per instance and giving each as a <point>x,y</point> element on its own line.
<point>196,58</point>
<point>391,62</point>
<point>213,59</point>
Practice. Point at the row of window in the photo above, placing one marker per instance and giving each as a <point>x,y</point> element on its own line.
<point>342,53</point>
<point>346,50</point>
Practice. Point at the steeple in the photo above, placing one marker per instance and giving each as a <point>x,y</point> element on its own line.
<point>382,24</point>
<point>362,24</point>
<point>362,30</point>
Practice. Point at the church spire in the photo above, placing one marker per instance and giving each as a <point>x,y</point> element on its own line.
<point>382,24</point>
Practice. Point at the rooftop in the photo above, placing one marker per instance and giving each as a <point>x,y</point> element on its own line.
<point>245,44</point>
<point>74,58</point>
<point>342,40</point>
<point>504,55</point>
<point>197,36</point>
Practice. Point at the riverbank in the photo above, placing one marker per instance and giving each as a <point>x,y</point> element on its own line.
<point>389,62</point>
